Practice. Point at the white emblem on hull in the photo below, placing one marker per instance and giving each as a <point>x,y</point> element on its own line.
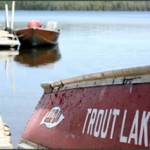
<point>52,118</point>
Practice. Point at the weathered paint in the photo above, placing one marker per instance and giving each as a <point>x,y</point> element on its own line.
<point>107,116</point>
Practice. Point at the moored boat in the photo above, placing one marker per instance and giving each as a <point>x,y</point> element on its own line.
<point>95,111</point>
<point>38,35</point>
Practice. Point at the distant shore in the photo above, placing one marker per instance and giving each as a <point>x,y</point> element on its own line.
<point>80,5</point>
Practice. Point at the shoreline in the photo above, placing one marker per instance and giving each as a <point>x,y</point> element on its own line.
<point>81,5</point>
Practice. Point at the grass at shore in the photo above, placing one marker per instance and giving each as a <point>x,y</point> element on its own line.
<point>80,5</point>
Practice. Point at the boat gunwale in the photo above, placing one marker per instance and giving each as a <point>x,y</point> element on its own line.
<point>113,77</point>
<point>38,28</point>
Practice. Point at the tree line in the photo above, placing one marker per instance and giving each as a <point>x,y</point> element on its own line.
<point>80,5</point>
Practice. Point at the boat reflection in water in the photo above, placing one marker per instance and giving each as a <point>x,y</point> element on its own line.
<point>38,56</point>
<point>7,55</point>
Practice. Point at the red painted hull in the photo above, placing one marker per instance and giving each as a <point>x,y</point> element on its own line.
<point>104,110</point>
<point>32,37</point>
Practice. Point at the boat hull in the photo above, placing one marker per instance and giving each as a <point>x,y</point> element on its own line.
<point>32,37</point>
<point>103,110</point>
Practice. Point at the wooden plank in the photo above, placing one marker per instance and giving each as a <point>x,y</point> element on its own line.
<point>5,136</point>
<point>3,32</point>
<point>8,42</point>
<point>6,34</point>
<point>8,39</point>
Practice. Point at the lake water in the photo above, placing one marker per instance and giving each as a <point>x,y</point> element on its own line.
<point>89,42</point>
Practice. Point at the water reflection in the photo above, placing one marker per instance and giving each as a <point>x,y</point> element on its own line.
<point>38,56</point>
<point>7,55</point>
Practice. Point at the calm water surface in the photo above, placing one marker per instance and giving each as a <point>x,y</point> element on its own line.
<point>89,42</point>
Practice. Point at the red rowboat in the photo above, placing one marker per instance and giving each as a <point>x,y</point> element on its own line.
<point>38,35</point>
<point>96,111</point>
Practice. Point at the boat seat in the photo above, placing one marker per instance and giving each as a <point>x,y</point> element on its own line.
<point>51,25</point>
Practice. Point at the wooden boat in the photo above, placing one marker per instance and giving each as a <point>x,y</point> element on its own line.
<point>96,111</point>
<point>38,35</point>
<point>35,57</point>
